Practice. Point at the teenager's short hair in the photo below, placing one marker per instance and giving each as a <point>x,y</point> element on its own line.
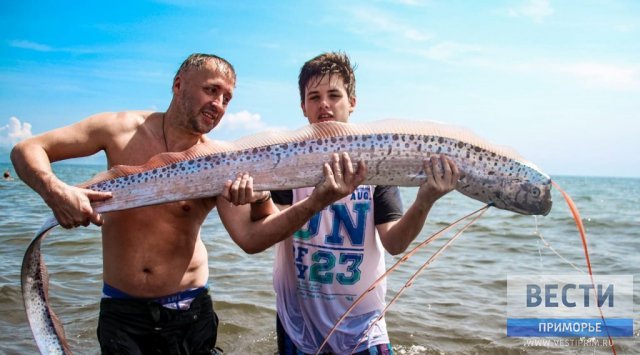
<point>198,60</point>
<point>330,63</point>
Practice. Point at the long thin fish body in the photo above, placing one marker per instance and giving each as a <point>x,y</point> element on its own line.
<point>393,150</point>
<point>45,326</point>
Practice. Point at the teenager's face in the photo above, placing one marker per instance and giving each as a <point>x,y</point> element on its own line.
<point>204,96</point>
<point>326,99</point>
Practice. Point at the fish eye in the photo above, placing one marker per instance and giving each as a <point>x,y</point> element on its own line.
<point>535,192</point>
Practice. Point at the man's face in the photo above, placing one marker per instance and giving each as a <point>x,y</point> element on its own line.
<point>326,99</point>
<point>204,95</point>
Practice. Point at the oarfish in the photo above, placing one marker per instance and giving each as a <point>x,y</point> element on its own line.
<point>393,150</point>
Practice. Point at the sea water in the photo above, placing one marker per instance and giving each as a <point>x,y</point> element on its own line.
<point>456,306</point>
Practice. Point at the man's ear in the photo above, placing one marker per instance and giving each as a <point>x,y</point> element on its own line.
<point>177,82</point>
<point>352,104</point>
<point>304,110</point>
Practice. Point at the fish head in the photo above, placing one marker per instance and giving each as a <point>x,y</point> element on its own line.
<point>536,197</point>
<point>531,196</point>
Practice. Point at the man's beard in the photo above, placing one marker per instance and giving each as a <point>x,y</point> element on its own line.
<point>192,121</point>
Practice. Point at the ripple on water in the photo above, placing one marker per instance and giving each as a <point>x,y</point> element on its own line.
<point>456,306</point>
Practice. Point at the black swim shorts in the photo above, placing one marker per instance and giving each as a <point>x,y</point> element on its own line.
<point>135,326</point>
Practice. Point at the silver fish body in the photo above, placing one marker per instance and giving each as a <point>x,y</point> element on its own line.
<point>45,326</point>
<point>393,150</point>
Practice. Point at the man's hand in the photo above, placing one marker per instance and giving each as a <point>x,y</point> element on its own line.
<point>442,176</point>
<point>240,191</point>
<point>340,180</point>
<point>72,205</point>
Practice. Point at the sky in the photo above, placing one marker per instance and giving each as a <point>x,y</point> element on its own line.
<point>557,80</point>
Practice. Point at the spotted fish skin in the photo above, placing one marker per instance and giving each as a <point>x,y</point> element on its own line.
<point>393,150</point>
<point>45,325</point>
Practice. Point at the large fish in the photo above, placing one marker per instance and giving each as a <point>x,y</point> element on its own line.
<point>393,150</point>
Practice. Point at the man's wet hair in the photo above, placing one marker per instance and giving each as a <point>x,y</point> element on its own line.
<point>199,60</point>
<point>330,63</point>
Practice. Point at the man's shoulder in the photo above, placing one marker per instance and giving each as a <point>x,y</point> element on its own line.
<point>119,121</point>
<point>131,117</point>
<point>128,136</point>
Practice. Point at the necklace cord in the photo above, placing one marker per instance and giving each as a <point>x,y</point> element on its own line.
<point>164,135</point>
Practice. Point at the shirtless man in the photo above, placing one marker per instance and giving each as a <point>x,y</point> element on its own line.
<point>155,298</point>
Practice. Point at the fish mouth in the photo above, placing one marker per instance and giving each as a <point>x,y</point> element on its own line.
<point>545,203</point>
<point>546,206</point>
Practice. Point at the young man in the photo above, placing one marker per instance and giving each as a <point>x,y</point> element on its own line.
<point>155,267</point>
<point>323,268</point>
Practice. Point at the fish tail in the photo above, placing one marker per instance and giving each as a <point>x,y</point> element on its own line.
<point>583,235</point>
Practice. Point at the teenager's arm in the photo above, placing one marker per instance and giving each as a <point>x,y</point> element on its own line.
<point>442,176</point>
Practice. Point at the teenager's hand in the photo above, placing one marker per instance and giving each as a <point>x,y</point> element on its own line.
<point>442,177</point>
<point>340,180</point>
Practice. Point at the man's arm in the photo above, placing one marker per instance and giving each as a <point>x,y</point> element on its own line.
<point>32,160</point>
<point>254,236</point>
<point>442,176</point>
<point>240,192</point>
